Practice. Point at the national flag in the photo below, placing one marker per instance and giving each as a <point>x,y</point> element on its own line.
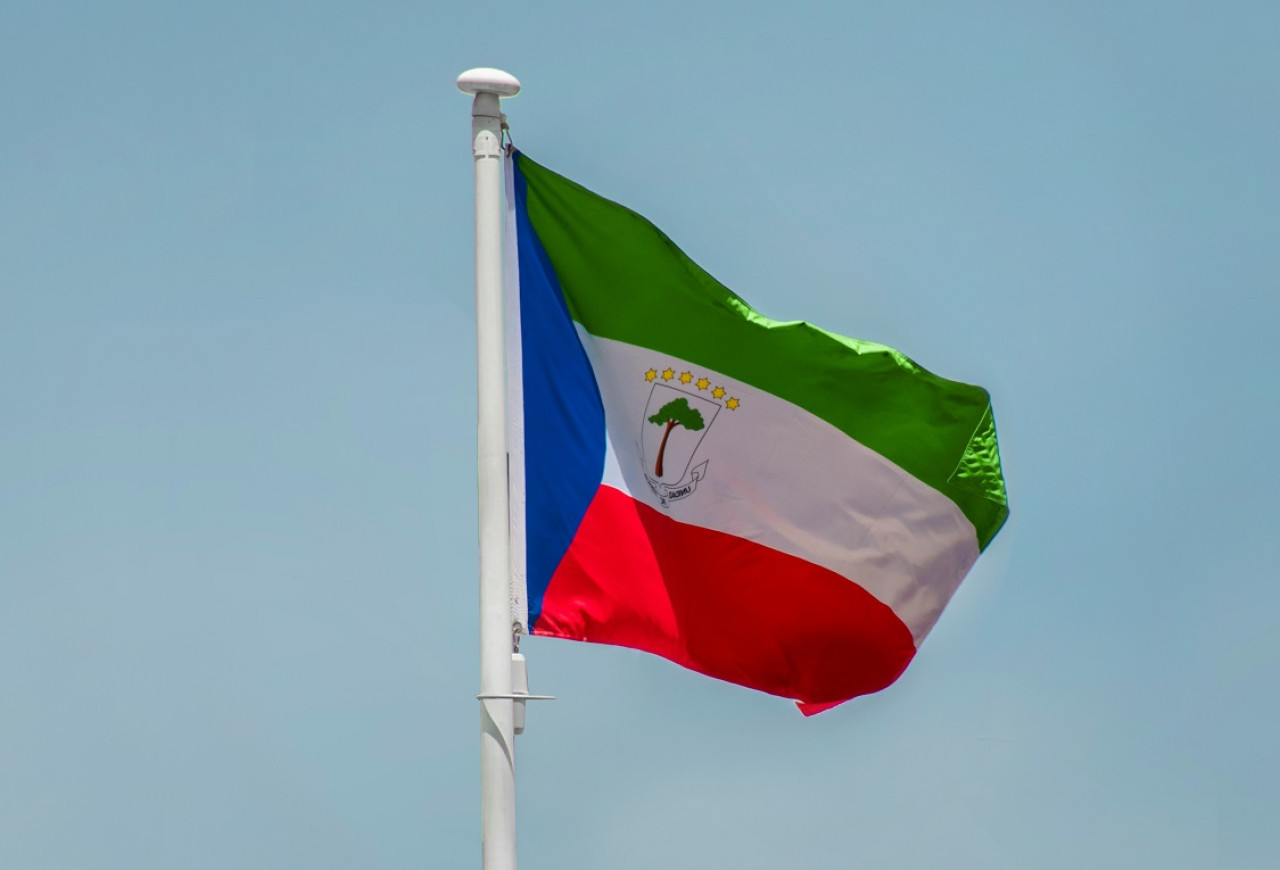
<point>767,503</point>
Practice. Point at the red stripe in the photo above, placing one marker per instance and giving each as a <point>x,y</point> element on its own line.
<point>721,605</point>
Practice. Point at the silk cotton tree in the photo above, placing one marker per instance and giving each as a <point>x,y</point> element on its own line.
<point>675,413</point>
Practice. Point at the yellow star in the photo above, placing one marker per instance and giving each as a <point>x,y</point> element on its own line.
<point>685,377</point>
<point>703,383</point>
<point>732,404</point>
<point>651,374</point>
<point>718,392</point>
<point>668,374</point>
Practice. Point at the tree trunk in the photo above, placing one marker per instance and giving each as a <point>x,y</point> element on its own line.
<point>662,448</point>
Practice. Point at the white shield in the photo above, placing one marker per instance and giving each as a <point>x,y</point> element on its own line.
<point>682,443</point>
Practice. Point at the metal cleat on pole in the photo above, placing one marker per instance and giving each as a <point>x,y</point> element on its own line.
<point>519,690</point>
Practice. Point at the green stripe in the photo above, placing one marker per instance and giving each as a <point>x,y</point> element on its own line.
<point>623,279</point>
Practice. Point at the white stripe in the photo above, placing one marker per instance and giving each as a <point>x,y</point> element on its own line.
<point>784,478</point>
<point>515,410</point>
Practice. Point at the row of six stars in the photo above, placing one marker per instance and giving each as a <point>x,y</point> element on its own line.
<point>686,378</point>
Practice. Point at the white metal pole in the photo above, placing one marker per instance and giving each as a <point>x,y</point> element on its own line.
<point>497,737</point>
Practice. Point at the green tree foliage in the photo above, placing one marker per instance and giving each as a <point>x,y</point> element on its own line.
<point>675,413</point>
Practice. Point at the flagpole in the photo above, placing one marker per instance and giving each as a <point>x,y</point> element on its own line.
<point>497,707</point>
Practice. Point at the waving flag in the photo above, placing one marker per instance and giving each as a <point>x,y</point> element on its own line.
<point>766,503</point>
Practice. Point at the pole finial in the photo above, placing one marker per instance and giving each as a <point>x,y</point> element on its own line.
<point>485,80</point>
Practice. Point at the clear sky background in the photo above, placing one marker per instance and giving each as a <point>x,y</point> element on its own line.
<point>237,493</point>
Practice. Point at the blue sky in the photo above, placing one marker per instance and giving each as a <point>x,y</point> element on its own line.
<point>237,509</point>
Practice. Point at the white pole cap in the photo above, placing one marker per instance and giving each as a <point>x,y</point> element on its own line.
<point>484,80</point>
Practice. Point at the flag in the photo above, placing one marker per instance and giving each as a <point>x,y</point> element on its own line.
<point>766,503</point>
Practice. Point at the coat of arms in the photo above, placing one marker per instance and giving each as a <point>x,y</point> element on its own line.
<point>681,408</point>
